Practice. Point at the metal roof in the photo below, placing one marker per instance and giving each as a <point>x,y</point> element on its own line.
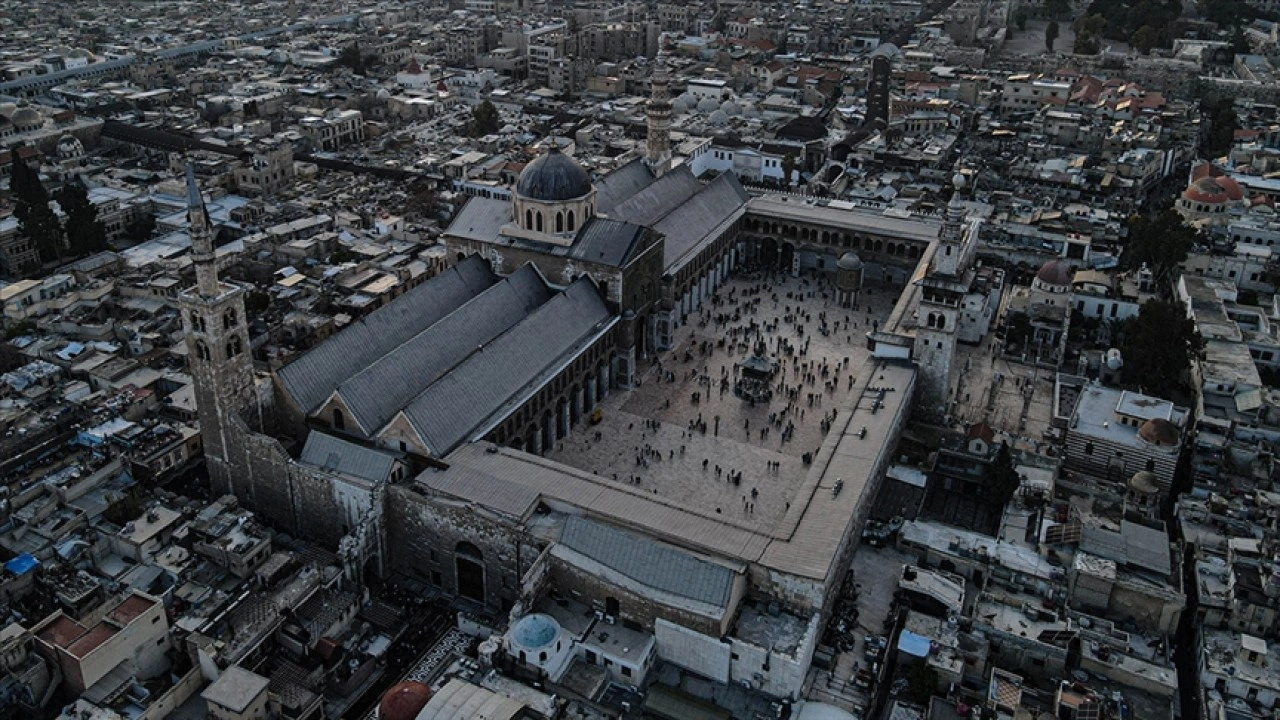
<point>375,394</point>
<point>497,377</point>
<point>553,177</point>
<point>481,219</point>
<point>312,378</point>
<point>605,241</point>
<point>621,184</point>
<point>347,458</point>
<point>661,567</point>
<point>688,225</point>
<point>659,198</point>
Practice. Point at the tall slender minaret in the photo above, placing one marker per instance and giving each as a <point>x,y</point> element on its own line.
<point>218,352</point>
<point>949,258</point>
<point>658,109</point>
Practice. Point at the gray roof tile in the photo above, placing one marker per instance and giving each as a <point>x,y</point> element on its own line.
<point>311,378</point>
<point>659,566</point>
<point>341,456</point>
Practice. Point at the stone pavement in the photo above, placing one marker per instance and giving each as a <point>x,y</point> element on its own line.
<point>654,436</point>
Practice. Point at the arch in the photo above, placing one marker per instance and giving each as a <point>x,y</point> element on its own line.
<point>339,420</point>
<point>229,318</point>
<point>202,351</point>
<point>528,219</point>
<point>233,346</point>
<point>559,221</point>
<point>469,568</point>
<point>538,221</point>
<point>570,224</point>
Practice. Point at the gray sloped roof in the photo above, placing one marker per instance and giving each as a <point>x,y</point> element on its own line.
<point>605,241</point>
<point>460,401</point>
<point>375,394</point>
<point>686,225</point>
<point>616,187</point>
<point>312,377</point>
<point>340,456</point>
<point>480,219</point>
<point>659,566</point>
<point>658,200</point>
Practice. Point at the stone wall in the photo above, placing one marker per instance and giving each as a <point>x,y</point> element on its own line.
<point>424,534</point>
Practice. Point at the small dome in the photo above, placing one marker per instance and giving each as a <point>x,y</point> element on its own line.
<point>718,118</point>
<point>679,106</point>
<point>403,701</point>
<point>730,108</point>
<point>70,146</point>
<point>63,50</point>
<point>849,261</point>
<point>535,631</point>
<point>1055,272</point>
<point>1159,432</point>
<point>80,53</point>
<point>553,177</point>
<point>1144,482</point>
<point>707,105</point>
<point>27,117</point>
<point>8,109</point>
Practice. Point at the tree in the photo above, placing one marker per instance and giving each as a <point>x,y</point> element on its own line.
<point>484,119</point>
<point>1161,243</point>
<point>141,228</point>
<point>1003,480</point>
<point>85,233</point>
<point>1050,35</point>
<point>788,168</point>
<point>256,302</point>
<point>1157,347</point>
<point>1020,18</point>
<point>1086,44</point>
<point>1144,39</point>
<point>1057,8</point>
<point>351,57</point>
<point>36,220</point>
<point>1222,123</point>
<point>424,202</point>
<point>10,358</point>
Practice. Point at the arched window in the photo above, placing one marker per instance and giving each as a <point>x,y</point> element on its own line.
<point>559,221</point>
<point>528,219</point>
<point>229,318</point>
<point>570,224</point>
<point>539,221</point>
<point>202,350</point>
<point>339,422</point>
<point>233,346</point>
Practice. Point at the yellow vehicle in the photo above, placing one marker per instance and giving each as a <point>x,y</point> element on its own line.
<point>596,416</point>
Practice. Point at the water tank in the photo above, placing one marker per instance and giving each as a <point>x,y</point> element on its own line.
<point>1114,361</point>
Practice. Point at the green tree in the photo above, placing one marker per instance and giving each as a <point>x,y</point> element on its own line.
<point>788,169</point>
<point>1161,243</point>
<point>85,233</point>
<point>1020,18</point>
<point>141,228</point>
<point>256,302</point>
<point>1157,347</point>
<point>36,220</point>
<point>1144,39</point>
<point>484,119</point>
<point>1086,44</point>
<point>1050,35</point>
<point>1222,122</point>
<point>1003,480</point>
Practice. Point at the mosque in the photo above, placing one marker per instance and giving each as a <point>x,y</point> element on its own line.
<point>413,441</point>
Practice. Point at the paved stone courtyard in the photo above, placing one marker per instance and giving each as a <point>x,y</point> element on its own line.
<point>654,436</point>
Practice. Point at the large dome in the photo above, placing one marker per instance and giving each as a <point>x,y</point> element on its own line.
<point>403,701</point>
<point>849,261</point>
<point>1055,272</point>
<point>27,117</point>
<point>553,177</point>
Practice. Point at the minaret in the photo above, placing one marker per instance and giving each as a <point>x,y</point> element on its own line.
<point>658,109</point>
<point>218,354</point>
<point>948,259</point>
<point>202,256</point>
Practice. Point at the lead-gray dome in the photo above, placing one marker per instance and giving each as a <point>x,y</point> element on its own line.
<point>553,177</point>
<point>849,261</point>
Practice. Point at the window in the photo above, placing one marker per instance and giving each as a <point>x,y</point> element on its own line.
<point>1088,448</point>
<point>229,318</point>
<point>202,351</point>
<point>626,672</point>
<point>570,223</point>
<point>339,422</point>
<point>233,346</point>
